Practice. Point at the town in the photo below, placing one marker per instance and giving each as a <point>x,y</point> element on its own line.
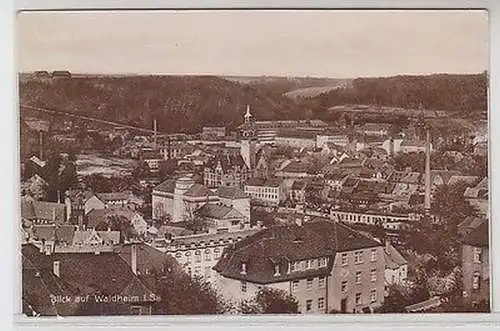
<point>266,216</point>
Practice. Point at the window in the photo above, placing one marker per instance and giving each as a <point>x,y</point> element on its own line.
<point>189,271</point>
<point>358,277</point>
<point>358,257</point>
<point>322,262</point>
<point>302,265</point>
<point>188,257</point>
<point>358,298</point>
<point>343,287</point>
<point>476,280</point>
<point>276,270</point>
<point>373,296</point>
<point>216,253</point>
<point>197,255</point>
<point>309,264</point>
<point>344,258</point>
<point>178,255</point>
<point>207,254</point>
<point>321,303</point>
<point>208,272</point>
<point>243,286</point>
<point>321,282</point>
<point>373,275</point>
<point>309,283</point>
<point>477,255</point>
<point>295,285</point>
<point>309,305</point>
<point>197,270</point>
<point>373,257</point>
<point>393,278</point>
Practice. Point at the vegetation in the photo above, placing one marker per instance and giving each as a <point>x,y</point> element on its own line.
<point>464,93</point>
<point>184,295</point>
<point>179,103</point>
<point>270,301</point>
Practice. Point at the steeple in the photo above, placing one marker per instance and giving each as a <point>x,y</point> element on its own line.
<point>248,115</point>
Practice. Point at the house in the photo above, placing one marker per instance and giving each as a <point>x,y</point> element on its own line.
<point>197,254</point>
<point>376,129</point>
<point>213,132</point>
<point>235,198</point>
<point>43,212</point>
<point>396,266</point>
<point>227,169</point>
<point>116,199</point>
<point>178,199</point>
<point>476,265</point>
<point>220,218</point>
<point>298,191</point>
<point>325,265</point>
<point>269,191</point>
<point>81,202</point>
<point>477,196</point>
<point>98,217</point>
<point>338,138</point>
<point>104,284</point>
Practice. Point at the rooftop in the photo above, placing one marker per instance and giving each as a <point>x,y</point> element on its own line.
<point>280,245</point>
<point>273,182</point>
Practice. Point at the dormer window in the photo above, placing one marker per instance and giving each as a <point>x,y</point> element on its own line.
<point>276,270</point>
<point>243,268</point>
<point>322,262</point>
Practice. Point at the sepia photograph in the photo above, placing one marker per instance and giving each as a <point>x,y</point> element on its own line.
<point>248,162</point>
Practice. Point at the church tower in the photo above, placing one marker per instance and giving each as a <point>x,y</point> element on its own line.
<point>248,140</point>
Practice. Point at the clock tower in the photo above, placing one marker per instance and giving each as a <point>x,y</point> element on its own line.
<point>248,140</point>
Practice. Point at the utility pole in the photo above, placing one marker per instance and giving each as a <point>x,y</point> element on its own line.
<point>427,200</point>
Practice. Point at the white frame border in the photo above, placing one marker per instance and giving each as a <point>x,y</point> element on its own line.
<point>10,203</point>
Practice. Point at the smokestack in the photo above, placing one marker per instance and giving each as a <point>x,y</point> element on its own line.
<point>133,253</point>
<point>56,268</point>
<point>41,145</point>
<point>391,146</point>
<point>154,134</point>
<point>427,201</point>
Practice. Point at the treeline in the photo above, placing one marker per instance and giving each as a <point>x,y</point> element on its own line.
<point>440,92</point>
<point>179,103</point>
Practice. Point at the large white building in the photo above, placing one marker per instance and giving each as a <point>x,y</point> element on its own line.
<point>265,190</point>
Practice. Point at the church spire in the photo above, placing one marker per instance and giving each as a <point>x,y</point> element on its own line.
<point>248,115</point>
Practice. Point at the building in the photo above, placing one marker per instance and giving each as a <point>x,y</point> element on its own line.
<point>376,129</point>
<point>340,139</point>
<point>213,132</point>
<point>226,169</point>
<point>235,198</point>
<point>103,217</point>
<point>269,191</point>
<point>43,212</point>
<point>389,221</point>
<point>178,199</point>
<point>101,282</point>
<point>476,265</point>
<point>116,199</point>
<point>198,254</point>
<point>249,140</point>
<point>325,265</point>
<point>396,266</point>
<point>81,202</point>
<point>266,137</point>
<point>220,218</point>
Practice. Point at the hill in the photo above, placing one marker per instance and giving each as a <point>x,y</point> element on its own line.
<point>463,93</point>
<point>179,103</point>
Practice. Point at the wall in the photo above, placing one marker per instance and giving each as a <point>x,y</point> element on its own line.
<point>93,203</point>
<point>295,142</point>
<point>348,273</point>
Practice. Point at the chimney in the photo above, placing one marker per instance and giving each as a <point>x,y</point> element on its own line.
<point>243,268</point>
<point>54,215</point>
<point>133,253</point>
<point>57,268</point>
<point>427,201</point>
<point>387,243</point>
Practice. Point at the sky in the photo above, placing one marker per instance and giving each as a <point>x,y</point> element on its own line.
<point>337,44</point>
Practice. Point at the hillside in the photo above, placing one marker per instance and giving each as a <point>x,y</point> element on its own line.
<point>465,93</point>
<point>180,103</point>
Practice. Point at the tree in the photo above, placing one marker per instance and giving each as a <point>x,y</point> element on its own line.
<point>141,171</point>
<point>182,294</point>
<point>270,301</point>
